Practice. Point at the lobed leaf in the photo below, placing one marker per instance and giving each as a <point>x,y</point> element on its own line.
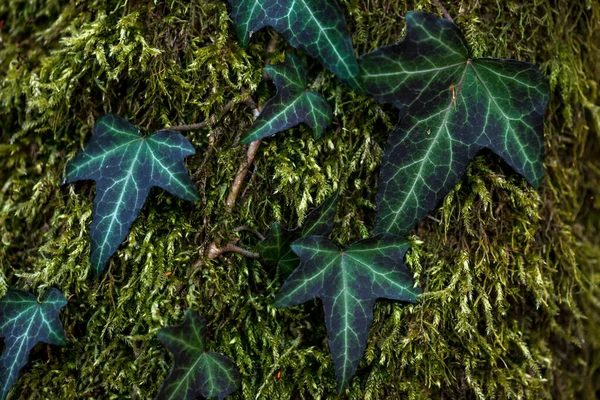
<point>195,371</point>
<point>453,106</point>
<point>292,104</point>
<point>24,322</point>
<point>317,27</point>
<point>125,166</point>
<point>277,248</point>
<point>348,282</point>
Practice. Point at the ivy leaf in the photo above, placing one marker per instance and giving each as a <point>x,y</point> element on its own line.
<point>195,371</point>
<point>277,248</point>
<point>292,104</point>
<point>317,27</point>
<point>453,107</point>
<point>24,323</point>
<point>348,282</point>
<point>125,166</point>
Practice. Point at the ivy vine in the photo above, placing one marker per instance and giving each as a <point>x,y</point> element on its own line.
<point>451,107</point>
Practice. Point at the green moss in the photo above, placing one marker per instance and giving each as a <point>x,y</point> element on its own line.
<point>510,275</point>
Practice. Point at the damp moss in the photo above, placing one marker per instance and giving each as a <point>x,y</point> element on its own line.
<point>510,274</point>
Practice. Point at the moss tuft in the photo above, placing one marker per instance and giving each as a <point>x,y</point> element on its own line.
<point>510,275</point>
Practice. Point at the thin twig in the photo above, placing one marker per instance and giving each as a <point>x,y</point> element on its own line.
<point>252,148</point>
<point>245,166</point>
<point>214,251</point>
<point>434,219</point>
<point>245,228</point>
<point>241,175</point>
<point>202,124</point>
<point>249,184</point>
<point>270,49</point>
<point>214,118</point>
<point>252,104</point>
<point>443,10</point>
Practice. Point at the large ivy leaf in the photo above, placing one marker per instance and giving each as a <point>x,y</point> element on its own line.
<point>348,282</point>
<point>292,104</point>
<point>453,107</point>
<point>277,248</point>
<point>317,27</point>
<point>125,166</point>
<point>24,323</point>
<point>195,371</point>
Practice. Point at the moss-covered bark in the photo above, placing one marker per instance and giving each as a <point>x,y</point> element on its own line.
<point>510,275</point>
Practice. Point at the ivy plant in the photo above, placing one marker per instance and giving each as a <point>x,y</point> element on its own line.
<point>453,106</point>
<point>25,322</point>
<point>276,247</point>
<point>195,371</point>
<point>348,281</point>
<point>125,166</point>
<point>317,27</point>
<point>292,104</point>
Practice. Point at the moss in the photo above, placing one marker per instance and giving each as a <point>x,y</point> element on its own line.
<point>510,275</point>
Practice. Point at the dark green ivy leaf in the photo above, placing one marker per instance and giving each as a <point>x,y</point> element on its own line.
<point>195,371</point>
<point>348,282</point>
<point>24,323</point>
<point>277,248</point>
<point>453,106</point>
<point>125,166</point>
<point>317,27</point>
<point>292,104</point>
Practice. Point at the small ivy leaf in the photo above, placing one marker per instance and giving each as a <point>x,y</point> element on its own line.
<point>317,27</point>
<point>292,104</point>
<point>24,322</point>
<point>276,247</point>
<point>320,220</point>
<point>348,282</point>
<point>125,166</point>
<point>195,371</point>
<point>453,107</point>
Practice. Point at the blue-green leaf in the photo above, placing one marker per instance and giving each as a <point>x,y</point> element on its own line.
<point>292,104</point>
<point>125,166</point>
<point>24,322</point>
<point>348,281</point>
<point>453,106</point>
<point>316,27</point>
